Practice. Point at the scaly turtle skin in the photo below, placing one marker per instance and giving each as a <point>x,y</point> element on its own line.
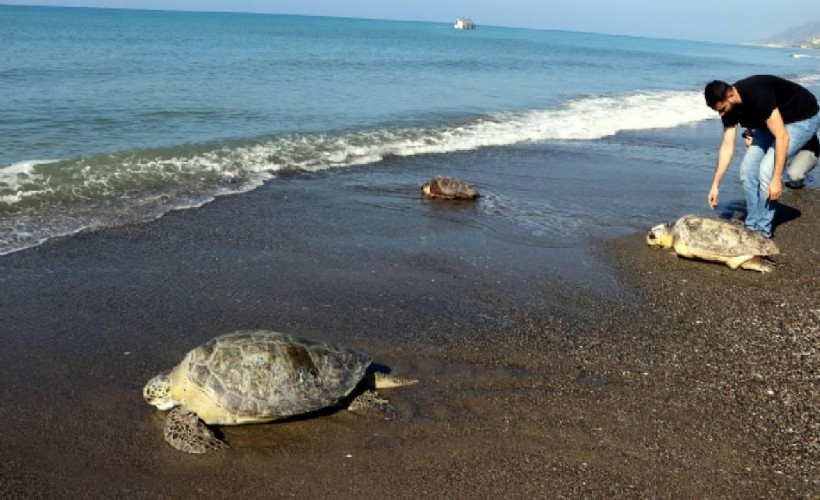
<point>261,376</point>
<point>716,240</point>
<point>449,188</point>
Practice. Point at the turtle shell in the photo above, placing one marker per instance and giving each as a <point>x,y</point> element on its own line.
<point>720,237</point>
<point>449,187</point>
<point>271,375</point>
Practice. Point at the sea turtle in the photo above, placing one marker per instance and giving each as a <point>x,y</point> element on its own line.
<point>449,188</point>
<point>261,376</point>
<point>716,240</point>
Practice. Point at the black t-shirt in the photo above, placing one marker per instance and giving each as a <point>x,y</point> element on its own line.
<point>760,94</point>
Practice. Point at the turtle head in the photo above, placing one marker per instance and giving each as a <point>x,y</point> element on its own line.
<point>425,188</point>
<point>660,236</point>
<point>157,392</point>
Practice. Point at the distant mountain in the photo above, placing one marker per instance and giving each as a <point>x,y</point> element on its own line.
<point>805,35</point>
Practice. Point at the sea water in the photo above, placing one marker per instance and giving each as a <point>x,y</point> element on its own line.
<point>110,117</point>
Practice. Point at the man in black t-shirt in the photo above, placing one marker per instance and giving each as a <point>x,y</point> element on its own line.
<point>783,115</point>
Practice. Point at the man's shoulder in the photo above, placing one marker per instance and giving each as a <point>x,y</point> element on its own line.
<point>758,81</point>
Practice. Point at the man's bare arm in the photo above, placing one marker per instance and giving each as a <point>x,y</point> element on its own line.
<point>781,151</point>
<point>725,153</point>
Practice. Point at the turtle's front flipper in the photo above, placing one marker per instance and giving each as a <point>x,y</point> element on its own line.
<point>372,404</point>
<point>186,432</point>
<point>379,380</point>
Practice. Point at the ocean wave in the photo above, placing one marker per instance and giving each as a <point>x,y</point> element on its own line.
<point>42,199</point>
<point>808,80</point>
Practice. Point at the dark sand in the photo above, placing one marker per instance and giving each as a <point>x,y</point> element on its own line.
<point>648,377</point>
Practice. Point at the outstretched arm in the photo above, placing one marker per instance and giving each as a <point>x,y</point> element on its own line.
<point>781,151</point>
<point>727,149</point>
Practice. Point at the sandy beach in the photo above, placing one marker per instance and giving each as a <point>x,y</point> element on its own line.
<point>603,369</point>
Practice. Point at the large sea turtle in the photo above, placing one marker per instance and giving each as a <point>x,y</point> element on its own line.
<point>716,240</point>
<point>261,376</point>
<point>449,188</point>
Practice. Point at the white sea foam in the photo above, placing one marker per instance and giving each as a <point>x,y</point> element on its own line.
<point>582,119</point>
<point>19,181</point>
<point>13,175</point>
<point>808,79</point>
<point>23,167</point>
<point>142,187</point>
<point>228,170</point>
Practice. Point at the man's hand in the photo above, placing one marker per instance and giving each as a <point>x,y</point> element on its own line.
<point>781,149</point>
<point>713,197</point>
<point>775,189</point>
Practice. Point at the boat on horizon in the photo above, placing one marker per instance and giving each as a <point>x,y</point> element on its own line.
<point>464,23</point>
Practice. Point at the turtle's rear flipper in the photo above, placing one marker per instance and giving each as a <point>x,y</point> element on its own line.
<point>370,403</point>
<point>186,432</point>
<point>757,263</point>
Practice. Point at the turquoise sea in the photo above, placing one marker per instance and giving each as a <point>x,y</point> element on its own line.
<point>109,117</point>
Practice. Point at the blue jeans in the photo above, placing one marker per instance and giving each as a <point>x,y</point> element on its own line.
<point>757,169</point>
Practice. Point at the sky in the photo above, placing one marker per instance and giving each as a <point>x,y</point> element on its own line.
<point>706,20</point>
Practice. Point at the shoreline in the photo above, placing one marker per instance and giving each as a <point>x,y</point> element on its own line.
<point>636,374</point>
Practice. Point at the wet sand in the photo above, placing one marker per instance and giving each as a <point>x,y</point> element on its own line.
<point>636,375</point>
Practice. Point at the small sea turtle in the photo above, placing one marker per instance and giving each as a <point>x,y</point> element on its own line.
<point>260,376</point>
<point>449,188</point>
<point>716,240</point>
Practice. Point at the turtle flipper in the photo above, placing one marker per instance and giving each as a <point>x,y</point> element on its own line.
<point>757,263</point>
<point>379,380</point>
<point>186,432</point>
<point>372,404</point>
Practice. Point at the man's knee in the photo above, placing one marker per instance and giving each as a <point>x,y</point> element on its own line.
<point>802,163</point>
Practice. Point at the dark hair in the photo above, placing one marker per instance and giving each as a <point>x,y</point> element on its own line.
<point>715,92</point>
<point>747,133</point>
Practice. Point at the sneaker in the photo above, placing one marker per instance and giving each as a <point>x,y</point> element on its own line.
<point>759,232</point>
<point>795,184</point>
